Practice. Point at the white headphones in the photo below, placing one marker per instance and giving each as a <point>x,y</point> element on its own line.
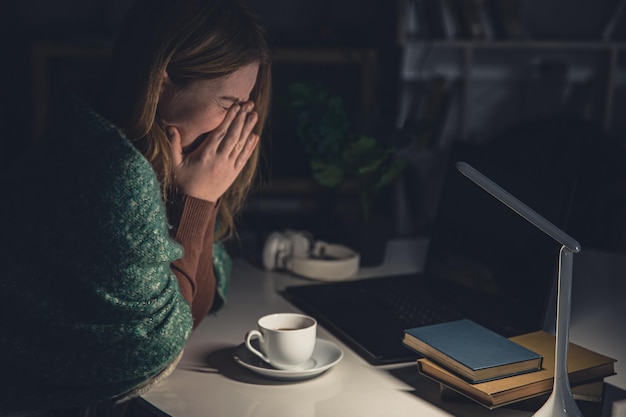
<point>295,251</point>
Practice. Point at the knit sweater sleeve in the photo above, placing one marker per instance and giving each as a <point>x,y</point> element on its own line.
<point>91,308</point>
<point>193,224</point>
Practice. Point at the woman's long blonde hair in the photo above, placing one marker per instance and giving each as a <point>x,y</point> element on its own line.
<point>191,40</point>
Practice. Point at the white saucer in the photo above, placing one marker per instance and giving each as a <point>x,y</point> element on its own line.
<point>325,355</point>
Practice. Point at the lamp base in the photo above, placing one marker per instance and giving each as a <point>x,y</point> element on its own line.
<point>561,403</point>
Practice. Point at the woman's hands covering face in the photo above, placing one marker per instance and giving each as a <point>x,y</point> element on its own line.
<point>207,170</point>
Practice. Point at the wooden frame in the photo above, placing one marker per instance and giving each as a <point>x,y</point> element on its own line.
<point>49,60</point>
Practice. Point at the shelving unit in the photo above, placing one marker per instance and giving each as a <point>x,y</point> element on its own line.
<point>468,61</point>
<point>491,86</point>
<point>505,54</point>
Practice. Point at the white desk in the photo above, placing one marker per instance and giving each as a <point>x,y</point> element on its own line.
<point>208,382</point>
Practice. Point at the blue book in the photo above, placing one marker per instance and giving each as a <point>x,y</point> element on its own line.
<point>471,351</point>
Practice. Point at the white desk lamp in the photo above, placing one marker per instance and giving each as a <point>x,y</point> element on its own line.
<point>561,402</point>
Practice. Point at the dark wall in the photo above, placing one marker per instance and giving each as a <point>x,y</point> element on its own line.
<point>302,22</point>
<point>357,23</point>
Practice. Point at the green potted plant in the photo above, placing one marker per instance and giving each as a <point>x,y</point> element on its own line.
<point>339,154</point>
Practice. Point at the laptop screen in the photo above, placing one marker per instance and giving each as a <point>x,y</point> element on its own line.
<point>489,259</point>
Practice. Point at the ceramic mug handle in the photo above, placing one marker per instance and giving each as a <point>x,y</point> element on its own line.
<point>249,336</point>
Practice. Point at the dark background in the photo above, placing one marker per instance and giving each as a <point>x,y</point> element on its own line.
<point>556,86</point>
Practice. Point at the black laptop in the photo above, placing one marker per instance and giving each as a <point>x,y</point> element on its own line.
<point>484,262</point>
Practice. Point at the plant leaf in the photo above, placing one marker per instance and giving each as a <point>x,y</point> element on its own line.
<point>390,174</point>
<point>326,174</point>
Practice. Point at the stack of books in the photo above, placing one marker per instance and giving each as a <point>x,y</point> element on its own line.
<point>468,359</point>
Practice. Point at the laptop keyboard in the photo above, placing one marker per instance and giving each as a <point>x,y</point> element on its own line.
<point>415,308</point>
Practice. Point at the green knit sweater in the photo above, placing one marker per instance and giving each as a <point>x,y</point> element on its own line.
<point>89,307</point>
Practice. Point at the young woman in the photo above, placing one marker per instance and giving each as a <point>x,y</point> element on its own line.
<point>111,219</point>
<point>190,87</point>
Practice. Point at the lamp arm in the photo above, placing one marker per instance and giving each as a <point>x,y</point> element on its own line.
<point>561,401</point>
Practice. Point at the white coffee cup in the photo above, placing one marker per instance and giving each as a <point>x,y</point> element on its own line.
<point>286,340</point>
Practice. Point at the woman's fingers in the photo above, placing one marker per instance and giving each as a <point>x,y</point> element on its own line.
<point>243,150</point>
<point>240,129</point>
<point>223,130</point>
<point>244,136</point>
<point>209,169</point>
